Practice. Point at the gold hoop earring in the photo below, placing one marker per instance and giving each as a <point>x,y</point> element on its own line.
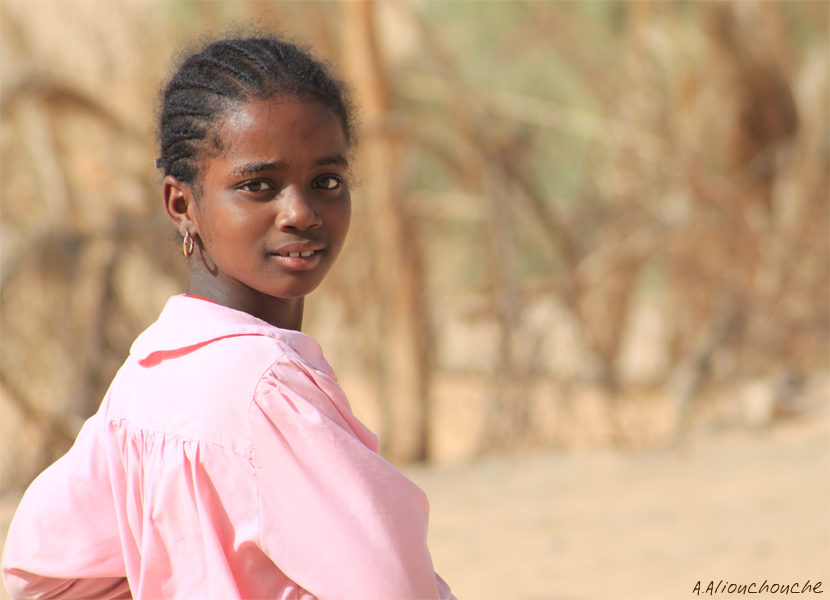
<point>187,244</point>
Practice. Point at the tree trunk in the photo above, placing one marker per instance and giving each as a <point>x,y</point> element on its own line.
<point>403,378</point>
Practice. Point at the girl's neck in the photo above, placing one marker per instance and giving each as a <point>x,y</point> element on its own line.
<point>285,313</point>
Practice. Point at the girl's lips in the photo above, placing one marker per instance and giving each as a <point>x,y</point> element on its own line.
<point>299,260</point>
<point>304,254</point>
<point>298,248</point>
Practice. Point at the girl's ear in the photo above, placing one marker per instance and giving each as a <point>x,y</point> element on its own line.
<point>179,204</point>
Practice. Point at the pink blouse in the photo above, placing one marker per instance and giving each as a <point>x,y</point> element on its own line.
<point>224,462</point>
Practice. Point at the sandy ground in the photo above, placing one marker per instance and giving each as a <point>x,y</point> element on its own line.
<point>738,506</point>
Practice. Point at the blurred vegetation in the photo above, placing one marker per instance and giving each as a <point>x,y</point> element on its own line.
<point>575,221</point>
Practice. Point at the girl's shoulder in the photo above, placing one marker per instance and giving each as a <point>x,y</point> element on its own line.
<point>188,324</point>
<point>196,372</point>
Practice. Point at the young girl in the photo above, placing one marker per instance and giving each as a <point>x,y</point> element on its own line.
<point>224,461</point>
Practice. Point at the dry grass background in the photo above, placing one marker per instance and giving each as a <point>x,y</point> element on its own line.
<point>587,283</point>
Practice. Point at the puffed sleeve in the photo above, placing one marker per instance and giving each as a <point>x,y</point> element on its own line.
<point>334,515</point>
<point>63,539</point>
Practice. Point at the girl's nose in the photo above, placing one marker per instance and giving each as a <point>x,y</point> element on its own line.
<point>296,212</point>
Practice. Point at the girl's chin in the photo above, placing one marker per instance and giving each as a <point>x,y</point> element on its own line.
<point>291,292</point>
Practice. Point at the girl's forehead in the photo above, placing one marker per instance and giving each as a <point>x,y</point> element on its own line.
<point>244,115</point>
<point>283,129</point>
<point>278,120</point>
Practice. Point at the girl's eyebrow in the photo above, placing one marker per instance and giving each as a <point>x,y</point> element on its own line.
<point>334,159</point>
<point>253,168</point>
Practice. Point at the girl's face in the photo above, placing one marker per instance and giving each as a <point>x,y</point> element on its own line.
<point>274,206</point>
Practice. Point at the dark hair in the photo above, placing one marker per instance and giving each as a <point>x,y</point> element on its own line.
<point>226,72</point>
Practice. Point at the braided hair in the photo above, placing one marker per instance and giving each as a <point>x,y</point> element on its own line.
<point>229,72</point>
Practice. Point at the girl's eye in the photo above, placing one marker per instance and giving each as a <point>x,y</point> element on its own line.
<point>255,186</point>
<point>328,182</point>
